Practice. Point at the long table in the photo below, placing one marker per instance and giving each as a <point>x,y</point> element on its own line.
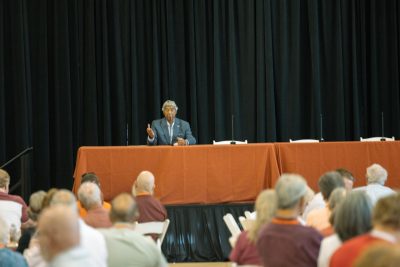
<point>209,174</point>
<point>204,174</point>
<point>313,159</point>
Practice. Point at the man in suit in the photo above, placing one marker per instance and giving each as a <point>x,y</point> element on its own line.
<point>170,130</point>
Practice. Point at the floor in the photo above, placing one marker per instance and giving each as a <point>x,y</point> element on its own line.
<point>201,264</point>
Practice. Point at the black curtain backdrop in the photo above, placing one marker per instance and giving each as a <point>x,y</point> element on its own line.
<point>198,232</point>
<point>95,72</point>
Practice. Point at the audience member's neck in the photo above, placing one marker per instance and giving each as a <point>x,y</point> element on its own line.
<point>143,193</point>
<point>287,213</point>
<point>3,190</point>
<point>389,230</point>
<point>124,225</point>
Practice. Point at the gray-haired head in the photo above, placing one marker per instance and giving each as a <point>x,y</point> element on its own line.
<point>89,195</point>
<point>337,196</point>
<point>4,232</point>
<point>328,182</point>
<point>376,174</point>
<point>66,198</point>
<point>290,189</point>
<point>169,103</point>
<point>353,215</point>
<point>36,204</point>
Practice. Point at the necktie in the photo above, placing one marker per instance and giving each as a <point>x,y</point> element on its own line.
<point>170,129</point>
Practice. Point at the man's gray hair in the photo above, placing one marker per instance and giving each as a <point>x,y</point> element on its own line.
<point>89,195</point>
<point>376,174</point>
<point>328,182</point>
<point>4,232</point>
<point>353,216</point>
<point>289,189</point>
<point>169,103</point>
<point>66,198</point>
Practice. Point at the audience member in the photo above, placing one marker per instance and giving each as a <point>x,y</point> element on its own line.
<point>284,241</point>
<point>245,250</point>
<point>348,178</point>
<point>379,255</point>
<point>89,196</point>
<point>318,201</point>
<point>150,208</point>
<point>91,239</point>
<point>319,218</point>
<point>125,246</point>
<point>92,178</point>
<point>352,217</point>
<point>13,209</point>
<point>376,179</point>
<point>337,196</point>
<point>34,209</point>
<point>8,258</point>
<point>170,130</point>
<point>386,228</point>
<point>59,238</point>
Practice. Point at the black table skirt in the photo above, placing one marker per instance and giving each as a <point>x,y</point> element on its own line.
<point>197,233</point>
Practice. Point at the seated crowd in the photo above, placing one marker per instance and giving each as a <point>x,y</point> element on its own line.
<point>339,226</point>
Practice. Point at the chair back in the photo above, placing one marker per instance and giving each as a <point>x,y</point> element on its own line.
<point>229,142</point>
<point>157,228</point>
<point>232,224</point>
<point>376,139</point>
<point>304,141</point>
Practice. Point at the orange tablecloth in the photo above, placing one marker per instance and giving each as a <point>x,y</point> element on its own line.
<point>230,173</point>
<point>194,174</point>
<point>313,159</point>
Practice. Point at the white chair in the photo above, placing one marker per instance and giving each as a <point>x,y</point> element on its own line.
<point>375,139</point>
<point>158,228</point>
<point>304,141</point>
<point>228,142</point>
<point>233,228</point>
<point>250,215</point>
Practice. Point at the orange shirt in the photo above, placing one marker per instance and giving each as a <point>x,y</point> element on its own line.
<point>83,212</point>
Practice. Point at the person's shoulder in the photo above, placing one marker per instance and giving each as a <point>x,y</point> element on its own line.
<point>15,198</point>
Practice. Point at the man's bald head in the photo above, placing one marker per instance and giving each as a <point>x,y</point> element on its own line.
<point>65,198</point>
<point>144,183</point>
<point>124,209</point>
<point>58,231</point>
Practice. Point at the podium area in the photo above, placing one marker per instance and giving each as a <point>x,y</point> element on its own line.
<point>199,184</point>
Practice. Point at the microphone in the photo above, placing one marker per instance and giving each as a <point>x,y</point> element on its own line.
<point>232,129</point>
<point>321,139</point>
<point>382,125</point>
<point>127,134</point>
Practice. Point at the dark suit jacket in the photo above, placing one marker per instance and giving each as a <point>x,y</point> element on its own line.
<point>161,134</point>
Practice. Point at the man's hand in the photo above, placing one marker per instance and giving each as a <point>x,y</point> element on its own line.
<point>149,131</point>
<point>181,141</point>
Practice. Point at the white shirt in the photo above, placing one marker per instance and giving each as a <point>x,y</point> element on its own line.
<point>76,257</point>
<point>94,242</point>
<point>317,202</point>
<point>376,191</point>
<point>328,246</point>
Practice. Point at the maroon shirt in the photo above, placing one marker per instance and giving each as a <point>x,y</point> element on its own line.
<point>98,218</point>
<point>150,209</point>
<point>287,243</point>
<point>245,252</point>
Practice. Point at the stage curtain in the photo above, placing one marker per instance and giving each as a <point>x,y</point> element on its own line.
<point>198,232</point>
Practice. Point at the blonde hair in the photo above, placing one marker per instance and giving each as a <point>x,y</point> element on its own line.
<point>4,178</point>
<point>265,207</point>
